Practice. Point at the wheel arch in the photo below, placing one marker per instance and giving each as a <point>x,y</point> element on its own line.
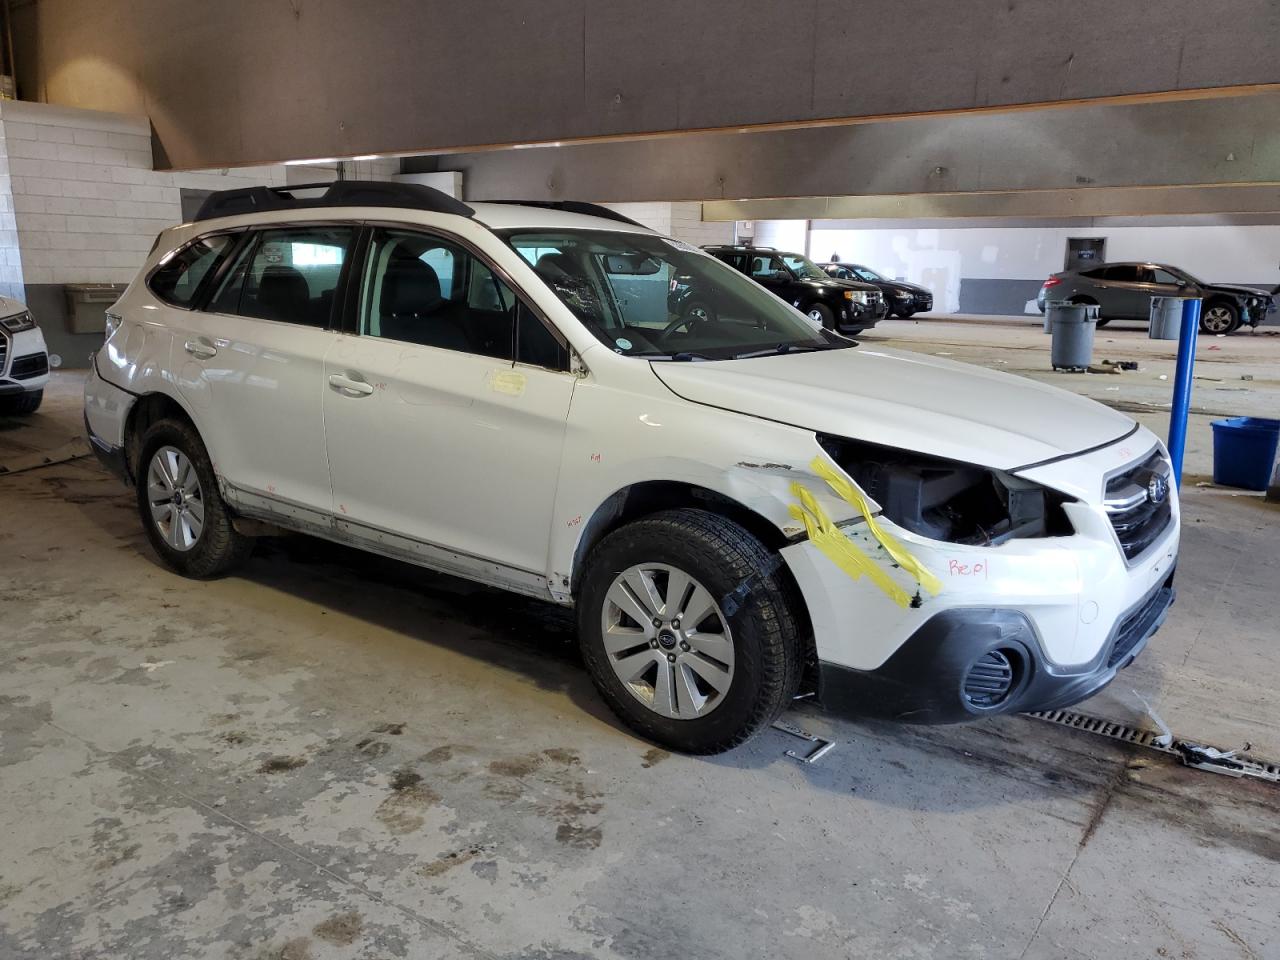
<point>148,409</point>
<point>652,496</point>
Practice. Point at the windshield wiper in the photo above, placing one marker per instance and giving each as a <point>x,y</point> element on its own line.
<point>684,356</point>
<point>790,348</point>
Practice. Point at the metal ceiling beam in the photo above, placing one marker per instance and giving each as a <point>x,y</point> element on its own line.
<point>1089,202</point>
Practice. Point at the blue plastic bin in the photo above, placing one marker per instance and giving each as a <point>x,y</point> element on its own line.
<point>1244,451</point>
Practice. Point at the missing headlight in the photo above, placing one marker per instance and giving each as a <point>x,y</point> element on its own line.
<point>947,500</point>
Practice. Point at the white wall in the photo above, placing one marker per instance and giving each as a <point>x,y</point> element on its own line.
<point>788,235</point>
<point>940,259</point>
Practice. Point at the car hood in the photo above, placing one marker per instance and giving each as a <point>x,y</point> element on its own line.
<point>838,283</point>
<point>910,401</point>
<point>1236,288</point>
<point>904,285</point>
<point>9,306</point>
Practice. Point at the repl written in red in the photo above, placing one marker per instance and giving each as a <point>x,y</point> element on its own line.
<point>968,568</point>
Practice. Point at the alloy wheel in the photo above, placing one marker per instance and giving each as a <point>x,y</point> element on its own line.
<point>667,641</point>
<point>1217,319</point>
<point>175,497</point>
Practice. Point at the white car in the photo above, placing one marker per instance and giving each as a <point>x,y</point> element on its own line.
<point>24,360</point>
<point>742,508</point>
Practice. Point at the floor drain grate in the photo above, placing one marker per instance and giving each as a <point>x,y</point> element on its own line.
<point>1198,755</point>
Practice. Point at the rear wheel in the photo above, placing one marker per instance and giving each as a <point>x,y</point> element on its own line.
<point>185,517</point>
<point>21,405</point>
<point>1219,317</point>
<point>687,630</point>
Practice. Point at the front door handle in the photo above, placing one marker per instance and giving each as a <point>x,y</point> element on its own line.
<point>200,348</point>
<point>350,386</point>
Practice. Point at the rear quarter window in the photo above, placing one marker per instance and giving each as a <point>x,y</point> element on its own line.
<point>178,279</point>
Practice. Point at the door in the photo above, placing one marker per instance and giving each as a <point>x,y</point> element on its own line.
<point>1123,292</point>
<point>770,272</point>
<point>445,412</point>
<point>1084,252</point>
<point>254,358</point>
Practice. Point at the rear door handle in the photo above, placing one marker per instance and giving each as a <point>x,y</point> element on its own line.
<point>200,348</point>
<point>350,386</point>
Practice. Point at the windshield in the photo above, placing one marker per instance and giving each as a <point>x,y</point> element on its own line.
<point>648,296</point>
<point>866,274</point>
<point>803,267</point>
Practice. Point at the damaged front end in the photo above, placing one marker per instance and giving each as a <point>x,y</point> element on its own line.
<point>950,501</point>
<point>962,590</point>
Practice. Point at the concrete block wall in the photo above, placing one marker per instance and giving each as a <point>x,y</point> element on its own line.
<point>80,203</point>
<point>680,220</point>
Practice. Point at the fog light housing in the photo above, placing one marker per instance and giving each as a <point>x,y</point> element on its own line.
<point>991,679</point>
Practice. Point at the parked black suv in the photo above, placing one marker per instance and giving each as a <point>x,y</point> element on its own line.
<point>843,305</point>
<point>904,299</point>
<point>1123,291</point>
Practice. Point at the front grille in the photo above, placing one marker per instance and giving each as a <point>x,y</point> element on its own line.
<point>24,368</point>
<point>4,351</point>
<point>989,680</point>
<point>1138,625</point>
<point>1139,504</point>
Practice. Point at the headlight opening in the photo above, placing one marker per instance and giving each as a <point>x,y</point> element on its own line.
<point>947,500</point>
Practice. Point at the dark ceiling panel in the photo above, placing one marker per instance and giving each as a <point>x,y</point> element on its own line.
<point>245,81</point>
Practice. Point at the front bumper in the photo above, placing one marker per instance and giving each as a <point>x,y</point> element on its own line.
<point>932,677</point>
<point>24,362</point>
<point>860,315</point>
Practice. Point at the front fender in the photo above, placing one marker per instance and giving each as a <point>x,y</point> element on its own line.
<point>750,461</point>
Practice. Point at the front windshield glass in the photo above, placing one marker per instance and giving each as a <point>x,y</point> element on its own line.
<point>648,296</point>
<point>804,268</point>
<point>866,274</point>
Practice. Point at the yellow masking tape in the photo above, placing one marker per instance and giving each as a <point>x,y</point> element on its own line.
<point>828,538</point>
<point>842,551</point>
<point>895,549</point>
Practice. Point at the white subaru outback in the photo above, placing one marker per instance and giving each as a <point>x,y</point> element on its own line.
<point>554,400</point>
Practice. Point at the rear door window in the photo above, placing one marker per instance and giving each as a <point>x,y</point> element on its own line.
<point>288,274</point>
<point>1124,273</point>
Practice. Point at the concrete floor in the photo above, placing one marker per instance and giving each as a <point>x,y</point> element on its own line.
<point>332,755</point>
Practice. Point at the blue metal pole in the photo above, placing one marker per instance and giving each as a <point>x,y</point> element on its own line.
<point>1182,385</point>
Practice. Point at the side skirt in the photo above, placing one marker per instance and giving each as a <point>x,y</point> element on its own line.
<point>317,523</point>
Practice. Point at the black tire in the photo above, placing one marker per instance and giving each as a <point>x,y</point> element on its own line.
<point>219,548</point>
<point>825,312</point>
<point>1214,309</point>
<point>1103,321</point>
<point>22,404</point>
<point>906,313</point>
<point>756,602</point>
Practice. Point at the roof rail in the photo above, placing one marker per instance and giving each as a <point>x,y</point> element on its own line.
<point>736,246</point>
<point>575,206</point>
<point>339,193</point>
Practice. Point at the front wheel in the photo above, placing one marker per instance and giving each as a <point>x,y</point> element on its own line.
<point>1220,317</point>
<point>687,630</point>
<point>182,511</point>
<point>821,313</point>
